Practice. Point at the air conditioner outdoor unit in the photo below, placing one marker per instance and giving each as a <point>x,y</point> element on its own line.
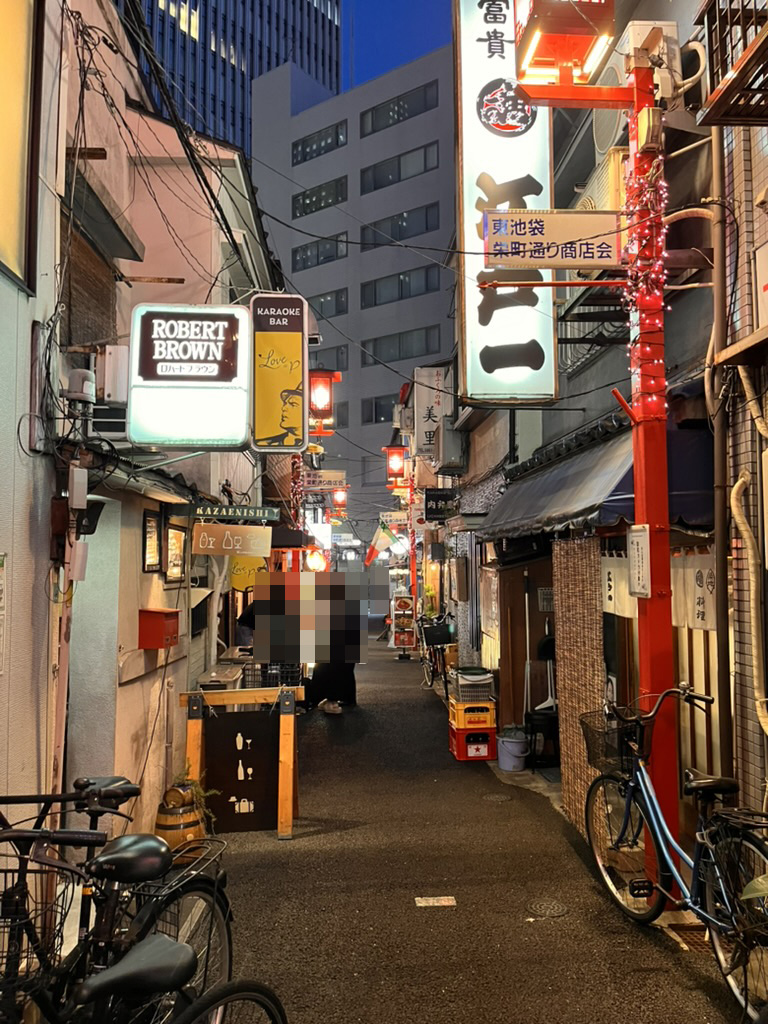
<point>660,39</point>
<point>449,449</point>
<point>108,421</point>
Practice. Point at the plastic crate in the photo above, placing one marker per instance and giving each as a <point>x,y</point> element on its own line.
<point>467,691</point>
<point>472,716</point>
<point>270,674</point>
<point>472,744</point>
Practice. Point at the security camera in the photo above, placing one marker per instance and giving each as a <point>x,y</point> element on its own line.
<point>761,200</point>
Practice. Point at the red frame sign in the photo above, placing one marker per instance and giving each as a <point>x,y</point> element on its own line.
<point>566,29</point>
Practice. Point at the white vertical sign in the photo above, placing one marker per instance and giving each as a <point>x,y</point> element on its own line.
<point>639,550</point>
<point>507,335</point>
<point>428,407</point>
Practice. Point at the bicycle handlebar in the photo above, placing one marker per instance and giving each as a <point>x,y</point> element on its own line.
<point>57,837</point>
<point>682,693</point>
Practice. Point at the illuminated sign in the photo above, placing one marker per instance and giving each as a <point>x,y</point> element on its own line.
<point>504,163</point>
<point>428,407</point>
<point>280,412</point>
<point>575,239</point>
<point>190,376</point>
<point>553,32</point>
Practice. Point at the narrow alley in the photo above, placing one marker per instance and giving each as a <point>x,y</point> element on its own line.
<point>387,815</point>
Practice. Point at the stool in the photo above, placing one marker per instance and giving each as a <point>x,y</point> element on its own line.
<point>546,723</point>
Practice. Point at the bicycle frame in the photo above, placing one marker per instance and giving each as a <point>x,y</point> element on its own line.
<point>668,845</point>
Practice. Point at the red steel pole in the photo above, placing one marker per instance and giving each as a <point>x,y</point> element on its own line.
<point>412,544</point>
<point>645,197</point>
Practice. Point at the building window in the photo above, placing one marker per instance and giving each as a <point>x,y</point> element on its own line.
<point>399,168</point>
<point>335,358</point>
<point>398,109</point>
<point>373,471</point>
<point>400,226</point>
<point>378,410</point>
<point>421,341</point>
<point>330,193</point>
<point>341,414</point>
<point>324,141</point>
<point>394,287</point>
<point>329,303</point>
<point>313,254</point>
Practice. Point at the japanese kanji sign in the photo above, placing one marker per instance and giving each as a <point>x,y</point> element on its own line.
<point>428,407</point>
<point>504,161</point>
<point>577,239</point>
<point>324,479</point>
<point>439,504</point>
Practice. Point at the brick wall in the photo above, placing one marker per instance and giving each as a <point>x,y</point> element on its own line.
<point>580,665</point>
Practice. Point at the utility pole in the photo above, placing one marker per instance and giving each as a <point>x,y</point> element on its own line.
<point>645,292</point>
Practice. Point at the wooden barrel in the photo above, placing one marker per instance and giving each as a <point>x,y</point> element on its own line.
<point>178,824</point>
<point>182,795</point>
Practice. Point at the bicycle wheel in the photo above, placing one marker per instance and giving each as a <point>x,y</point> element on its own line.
<point>239,1002</point>
<point>741,946</point>
<point>620,863</point>
<point>428,668</point>
<point>199,914</point>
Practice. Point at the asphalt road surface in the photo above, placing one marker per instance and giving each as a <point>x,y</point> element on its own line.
<point>329,919</point>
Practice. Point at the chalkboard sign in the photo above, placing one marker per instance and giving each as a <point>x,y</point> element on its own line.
<point>241,761</point>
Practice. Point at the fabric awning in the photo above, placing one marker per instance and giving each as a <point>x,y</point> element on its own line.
<point>596,487</point>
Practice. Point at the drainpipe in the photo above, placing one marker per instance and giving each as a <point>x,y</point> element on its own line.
<point>720,340</point>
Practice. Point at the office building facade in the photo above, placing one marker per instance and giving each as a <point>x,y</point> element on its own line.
<point>212,49</point>
<point>360,181</point>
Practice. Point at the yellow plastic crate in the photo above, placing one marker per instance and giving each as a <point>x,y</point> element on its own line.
<point>477,714</point>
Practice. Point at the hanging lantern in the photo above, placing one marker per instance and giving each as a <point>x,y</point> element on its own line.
<point>321,401</point>
<point>395,462</point>
<point>340,498</point>
<point>316,561</point>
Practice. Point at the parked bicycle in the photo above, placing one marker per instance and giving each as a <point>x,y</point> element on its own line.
<point>151,908</point>
<point>434,636</point>
<point>724,882</point>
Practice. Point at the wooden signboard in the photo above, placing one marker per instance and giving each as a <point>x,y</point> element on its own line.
<point>226,539</point>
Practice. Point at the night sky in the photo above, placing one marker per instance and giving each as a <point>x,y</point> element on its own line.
<point>379,35</point>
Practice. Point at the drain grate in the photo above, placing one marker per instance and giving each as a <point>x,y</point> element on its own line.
<point>497,798</point>
<point>694,936</point>
<point>547,908</point>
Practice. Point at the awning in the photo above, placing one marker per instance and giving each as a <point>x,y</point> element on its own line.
<point>596,487</point>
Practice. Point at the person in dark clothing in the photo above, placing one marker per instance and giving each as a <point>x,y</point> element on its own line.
<point>333,684</point>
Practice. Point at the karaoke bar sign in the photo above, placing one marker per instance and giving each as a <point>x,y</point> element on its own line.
<point>500,133</point>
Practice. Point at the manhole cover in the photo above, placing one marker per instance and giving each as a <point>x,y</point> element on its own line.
<point>547,908</point>
<point>497,798</point>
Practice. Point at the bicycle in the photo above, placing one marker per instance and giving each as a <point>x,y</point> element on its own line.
<point>137,886</point>
<point>635,852</point>
<point>434,636</point>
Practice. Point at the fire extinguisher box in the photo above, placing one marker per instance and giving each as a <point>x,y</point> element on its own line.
<point>158,628</point>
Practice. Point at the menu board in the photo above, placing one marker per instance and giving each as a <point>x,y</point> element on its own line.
<point>404,620</point>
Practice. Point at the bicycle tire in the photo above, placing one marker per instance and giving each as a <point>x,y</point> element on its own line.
<point>617,866</point>
<point>743,960</point>
<point>184,916</point>
<point>238,1002</point>
<point>428,670</point>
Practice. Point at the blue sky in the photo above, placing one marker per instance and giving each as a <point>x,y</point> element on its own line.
<point>379,35</point>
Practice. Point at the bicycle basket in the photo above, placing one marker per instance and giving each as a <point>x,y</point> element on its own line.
<point>34,904</point>
<point>438,635</point>
<point>607,739</point>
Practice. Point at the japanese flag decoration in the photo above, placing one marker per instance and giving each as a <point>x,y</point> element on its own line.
<point>507,339</point>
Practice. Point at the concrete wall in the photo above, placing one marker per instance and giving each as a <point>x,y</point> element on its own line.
<point>25,660</point>
<point>277,180</point>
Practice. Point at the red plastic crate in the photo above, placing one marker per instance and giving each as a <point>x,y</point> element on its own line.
<point>472,744</point>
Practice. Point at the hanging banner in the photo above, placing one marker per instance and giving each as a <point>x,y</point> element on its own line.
<point>280,363</point>
<point>323,479</point>
<point>617,599</point>
<point>428,406</point>
<point>700,582</point>
<point>575,239</point>
<point>507,345</point>
<point>189,382</point>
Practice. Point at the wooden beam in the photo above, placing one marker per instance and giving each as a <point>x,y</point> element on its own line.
<point>748,351</point>
<point>86,153</point>
<point>194,752</point>
<point>287,762</point>
<point>256,695</point>
<point>153,280</point>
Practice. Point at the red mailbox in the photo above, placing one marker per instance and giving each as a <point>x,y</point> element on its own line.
<point>158,628</point>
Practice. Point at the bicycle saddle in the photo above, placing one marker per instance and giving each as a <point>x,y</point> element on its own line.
<point>697,783</point>
<point>139,858</point>
<point>156,964</point>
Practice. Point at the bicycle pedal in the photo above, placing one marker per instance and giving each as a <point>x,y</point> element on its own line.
<point>641,888</point>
